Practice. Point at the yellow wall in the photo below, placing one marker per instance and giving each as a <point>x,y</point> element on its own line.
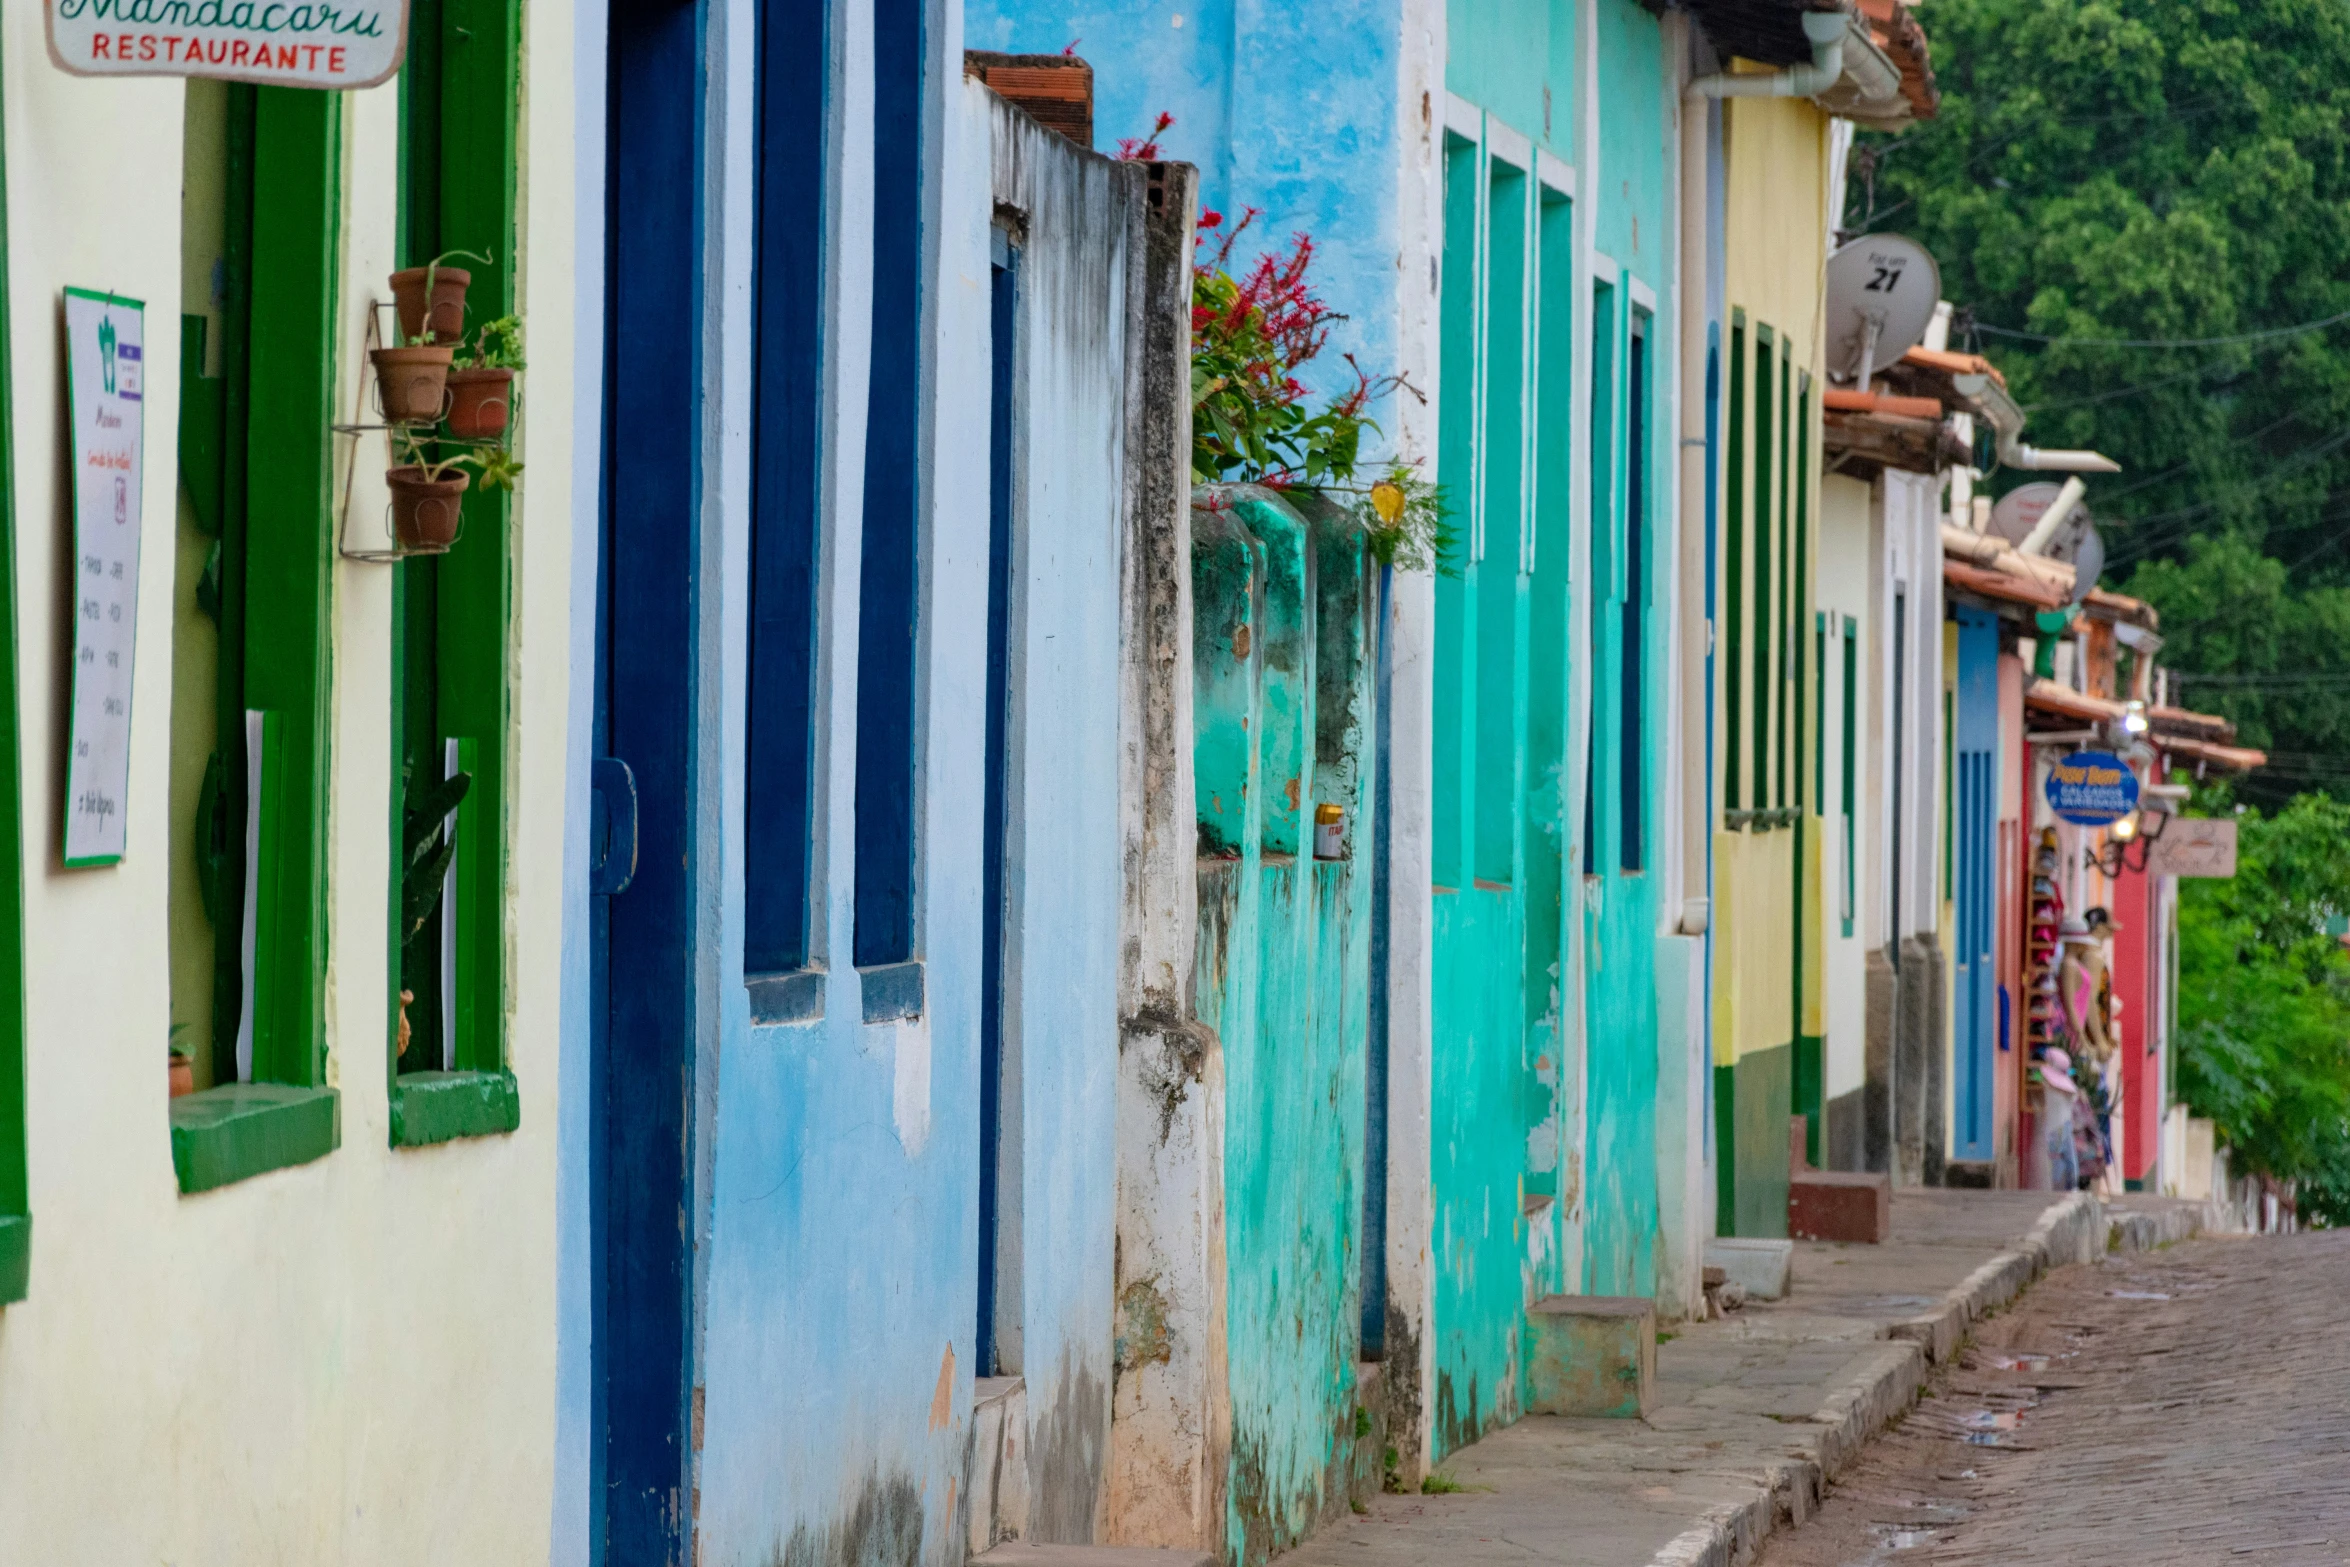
<point>1775,245</point>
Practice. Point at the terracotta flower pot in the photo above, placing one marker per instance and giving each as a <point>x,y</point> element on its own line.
<point>183,1076</point>
<point>448,302</point>
<point>425,511</point>
<point>412,383</point>
<point>480,403</point>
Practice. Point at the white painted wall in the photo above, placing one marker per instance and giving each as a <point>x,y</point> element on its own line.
<point>1843,593</point>
<point>351,1360</point>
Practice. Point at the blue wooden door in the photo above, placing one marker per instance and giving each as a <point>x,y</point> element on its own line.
<point>641,878</point>
<point>1974,828</point>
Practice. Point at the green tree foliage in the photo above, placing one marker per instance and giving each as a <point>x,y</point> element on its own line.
<point>2264,1001</point>
<point>2167,170</point>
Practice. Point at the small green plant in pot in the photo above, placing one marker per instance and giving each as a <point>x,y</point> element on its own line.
<point>428,844</point>
<point>412,375</point>
<point>431,298</point>
<point>481,390</point>
<point>428,488</point>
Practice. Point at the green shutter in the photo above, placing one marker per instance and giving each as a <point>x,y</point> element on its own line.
<point>461,95</point>
<point>16,1214</point>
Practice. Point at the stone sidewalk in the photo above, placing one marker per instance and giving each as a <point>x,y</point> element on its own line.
<point>1754,1412</point>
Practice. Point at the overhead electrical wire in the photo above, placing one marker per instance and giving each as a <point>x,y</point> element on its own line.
<point>2161,342</point>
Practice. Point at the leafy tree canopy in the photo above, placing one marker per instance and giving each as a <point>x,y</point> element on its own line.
<point>2263,1034</point>
<point>2174,172</point>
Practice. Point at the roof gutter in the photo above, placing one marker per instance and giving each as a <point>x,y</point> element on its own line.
<point>2008,420</point>
<point>1826,31</point>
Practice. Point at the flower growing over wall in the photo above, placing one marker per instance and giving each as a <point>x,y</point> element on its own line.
<point>1250,418</point>
<point>1251,333</point>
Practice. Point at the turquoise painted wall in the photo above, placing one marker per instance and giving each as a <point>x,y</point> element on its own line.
<point>1515,59</point>
<point>1500,731</point>
<point>1282,695</point>
<point>1633,217</point>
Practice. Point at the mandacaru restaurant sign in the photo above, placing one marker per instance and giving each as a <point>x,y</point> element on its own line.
<point>284,43</point>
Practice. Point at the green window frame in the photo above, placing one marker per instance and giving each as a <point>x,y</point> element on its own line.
<point>1765,632</point>
<point>1819,727</point>
<point>16,1211</point>
<point>1733,662</point>
<point>1787,638</point>
<point>270,457</point>
<point>460,110</point>
<point>1848,784</point>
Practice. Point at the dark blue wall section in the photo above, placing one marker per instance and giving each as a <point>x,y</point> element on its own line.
<point>892,536</point>
<point>778,783</point>
<point>644,1055</point>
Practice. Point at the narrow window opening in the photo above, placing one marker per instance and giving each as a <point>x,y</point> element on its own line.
<point>780,762</point>
<point>888,599</point>
<point>1632,740</point>
<point>1003,319</point>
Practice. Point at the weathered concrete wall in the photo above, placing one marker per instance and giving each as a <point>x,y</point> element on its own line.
<point>351,1359</point>
<point>1170,1432</point>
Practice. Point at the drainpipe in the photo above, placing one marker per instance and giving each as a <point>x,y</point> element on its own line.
<point>2008,420</point>
<point>1825,29</point>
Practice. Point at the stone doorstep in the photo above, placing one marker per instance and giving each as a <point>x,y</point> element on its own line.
<point>1838,1205</point>
<point>1592,1355</point>
<point>1762,1268</point>
<point>996,1478</point>
<point>1022,1555</point>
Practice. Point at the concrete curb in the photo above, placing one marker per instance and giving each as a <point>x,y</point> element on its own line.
<point>2072,1229</point>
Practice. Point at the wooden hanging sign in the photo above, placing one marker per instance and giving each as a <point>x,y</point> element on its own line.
<point>279,43</point>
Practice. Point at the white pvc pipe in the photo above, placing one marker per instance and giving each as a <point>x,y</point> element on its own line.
<point>1825,29</point>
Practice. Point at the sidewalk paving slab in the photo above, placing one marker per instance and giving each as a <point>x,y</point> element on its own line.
<point>1755,1412</point>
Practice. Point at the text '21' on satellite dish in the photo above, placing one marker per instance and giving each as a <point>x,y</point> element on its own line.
<point>1882,290</point>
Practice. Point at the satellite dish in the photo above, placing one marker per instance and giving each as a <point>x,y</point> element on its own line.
<point>2086,550</point>
<point>2020,508</point>
<point>1882,289</point>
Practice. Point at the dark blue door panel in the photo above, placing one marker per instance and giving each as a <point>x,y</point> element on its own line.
<point>644,1056</point>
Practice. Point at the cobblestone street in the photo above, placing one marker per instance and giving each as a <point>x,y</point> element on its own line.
<point>2189,1405</point>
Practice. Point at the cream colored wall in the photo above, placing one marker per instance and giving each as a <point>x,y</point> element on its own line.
<point>351,1360</point>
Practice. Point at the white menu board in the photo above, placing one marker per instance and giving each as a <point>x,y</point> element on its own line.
<point>105,385</point>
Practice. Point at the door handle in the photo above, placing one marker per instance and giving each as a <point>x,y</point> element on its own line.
<point>611,827</point>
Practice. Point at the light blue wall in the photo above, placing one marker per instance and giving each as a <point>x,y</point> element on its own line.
<point>1286,105</point>
<point>837,1241</point>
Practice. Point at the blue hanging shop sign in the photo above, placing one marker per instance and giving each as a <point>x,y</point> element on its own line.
<point>2092,788</point>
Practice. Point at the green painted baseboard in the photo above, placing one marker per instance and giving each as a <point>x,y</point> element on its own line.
<point>1725,1150</point>
<point>437,1107</point>
<point>230,1133</point>
<point>1762,1099</point>
<point>16,1256</point>
<point>1810,1094</point>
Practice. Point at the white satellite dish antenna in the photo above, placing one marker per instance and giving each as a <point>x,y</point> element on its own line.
<point>2080,543</point>
<point>2018,511</point>
<point>1882,289</point>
